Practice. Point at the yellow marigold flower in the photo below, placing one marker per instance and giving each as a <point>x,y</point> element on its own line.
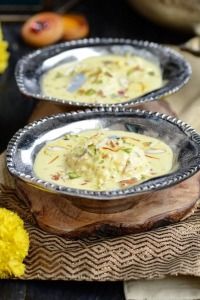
<point>14,244</point>
<point>4,55</point>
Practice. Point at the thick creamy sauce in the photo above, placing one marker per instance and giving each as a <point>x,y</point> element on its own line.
<point>103,160</point>
<point>102,79</point>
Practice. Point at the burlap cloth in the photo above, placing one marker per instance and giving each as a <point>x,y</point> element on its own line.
<point>170,250</point>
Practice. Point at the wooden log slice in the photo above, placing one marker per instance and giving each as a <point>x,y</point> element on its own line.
<point>57,214</point>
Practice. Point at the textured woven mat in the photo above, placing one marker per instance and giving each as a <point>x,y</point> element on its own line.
<point>174,249</point>
<point>171,250</point>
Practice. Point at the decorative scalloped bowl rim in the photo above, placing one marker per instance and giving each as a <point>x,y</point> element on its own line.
<point>151,96</point>
<point>144,187</point>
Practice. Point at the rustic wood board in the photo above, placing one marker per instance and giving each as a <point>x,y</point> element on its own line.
<point>57,214</point>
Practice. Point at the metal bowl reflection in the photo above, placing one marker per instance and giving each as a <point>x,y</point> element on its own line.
<point>30,69</point>
<point>182,139</point>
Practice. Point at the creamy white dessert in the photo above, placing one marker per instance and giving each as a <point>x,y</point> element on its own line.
<point>102,79</point>
<point>103,160</point>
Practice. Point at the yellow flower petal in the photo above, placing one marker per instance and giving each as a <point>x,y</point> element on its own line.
<point>3,45</point>
<point>4,55</point>
<point>14,244</point>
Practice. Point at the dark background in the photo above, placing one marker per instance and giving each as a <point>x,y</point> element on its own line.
<point>108,18</point>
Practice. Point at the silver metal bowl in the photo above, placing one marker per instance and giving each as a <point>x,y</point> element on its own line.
<point>180,14</point>
<point>183,140</point>
<point>29,70</point>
